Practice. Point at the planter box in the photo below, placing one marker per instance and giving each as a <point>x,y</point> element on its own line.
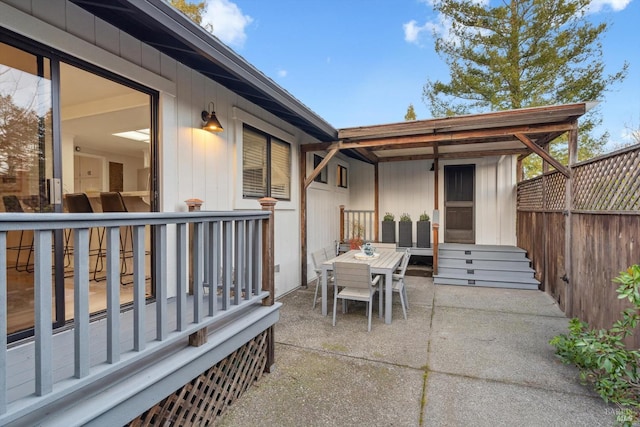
<point>423,234</point>
<point>388,231</point>
<point>405,229</point>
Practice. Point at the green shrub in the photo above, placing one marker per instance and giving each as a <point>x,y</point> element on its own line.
<point>388,216</point>
<point>405,217</point>
<point>424,216</point>
<point>602,356</point>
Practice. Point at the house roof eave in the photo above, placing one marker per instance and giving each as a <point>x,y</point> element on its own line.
<point>159,25</point>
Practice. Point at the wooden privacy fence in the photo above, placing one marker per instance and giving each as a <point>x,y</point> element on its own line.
<point>580,232</point>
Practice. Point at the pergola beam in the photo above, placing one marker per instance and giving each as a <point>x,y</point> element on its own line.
<point>319,168</point>
<point>320,146</point>
<point>461,155</point>
<point>453,137</point>
<point>542,153</point>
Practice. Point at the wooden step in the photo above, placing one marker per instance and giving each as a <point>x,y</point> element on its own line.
<point>441,280</point>
<point>482,254</point>
<point>484,265</point>
<point>523,274</point>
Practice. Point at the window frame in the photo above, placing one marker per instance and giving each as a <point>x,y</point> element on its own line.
<point>323,176</point>
<point>270,141</point>
<point>342,178</point>
<point>124,76</point>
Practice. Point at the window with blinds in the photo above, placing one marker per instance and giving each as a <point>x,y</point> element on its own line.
<point>266,165</point>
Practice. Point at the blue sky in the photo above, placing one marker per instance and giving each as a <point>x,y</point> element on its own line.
<point>362,62</point>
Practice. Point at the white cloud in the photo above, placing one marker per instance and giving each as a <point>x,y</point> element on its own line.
<point>413,31</point>
<point>615,5</point>
<point>228,21</point>
<point>282,73</point>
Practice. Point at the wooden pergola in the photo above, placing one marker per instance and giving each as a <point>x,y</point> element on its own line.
<point>518,132</point>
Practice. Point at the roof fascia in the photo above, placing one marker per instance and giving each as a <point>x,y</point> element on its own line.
<point>209,47</point>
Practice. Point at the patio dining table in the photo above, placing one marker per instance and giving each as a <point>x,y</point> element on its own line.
<point>384,264</point>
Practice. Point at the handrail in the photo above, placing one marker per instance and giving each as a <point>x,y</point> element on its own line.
<point>358,218</point>
<point>227,259</point>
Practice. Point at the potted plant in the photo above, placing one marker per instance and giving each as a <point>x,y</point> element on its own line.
<point>357,231</point>
<point>388,228</point>
<point>405,230</point>
<point>423,231</point>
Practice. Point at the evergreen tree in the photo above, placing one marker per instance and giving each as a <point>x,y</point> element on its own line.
<point>411,113</point>
<point>522,53</point>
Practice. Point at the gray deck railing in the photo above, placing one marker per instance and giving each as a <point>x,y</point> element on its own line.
<point>227,251</point>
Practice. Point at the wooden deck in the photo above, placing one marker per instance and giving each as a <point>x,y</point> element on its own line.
<point>20,372</point>
<point>107,371</point>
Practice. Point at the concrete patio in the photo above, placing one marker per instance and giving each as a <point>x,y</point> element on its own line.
<point>465,357</point>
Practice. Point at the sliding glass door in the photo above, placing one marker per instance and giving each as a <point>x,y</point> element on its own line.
<point>28,176</point>
<point>105,146</point>
<point>68,131</point>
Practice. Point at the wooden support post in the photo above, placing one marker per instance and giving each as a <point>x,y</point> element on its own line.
<point>436,238</point>
<point>519,170</point>
<point>436,211</point>
<point>268,250</point>
<point>376,201</point>
<point>198,338</point>
<point>436,172</point>
<point>342,224</point>
<point>303,219</point>
<point>268,282</point>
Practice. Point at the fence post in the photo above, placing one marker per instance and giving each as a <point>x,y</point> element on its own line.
<point>568,236</point>
<point>268,284</point>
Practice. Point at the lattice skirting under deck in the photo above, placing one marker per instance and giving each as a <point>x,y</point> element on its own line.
<point>206,397</point>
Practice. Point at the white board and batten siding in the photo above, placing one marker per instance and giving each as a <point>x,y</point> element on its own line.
<point>193,163</point>
<point>209,166</point>
<point>408,187</point>
<point>323,207</point>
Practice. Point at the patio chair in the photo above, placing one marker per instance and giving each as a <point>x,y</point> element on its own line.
<point>385,246</point>
<point>357,285</point>
<point>12,204</point>
<point>112,201</point>
<point>398,282</point>
<point>319,257</point>
<point>79,203</point>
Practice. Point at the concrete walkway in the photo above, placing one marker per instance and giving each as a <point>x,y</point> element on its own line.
<point>465,357</point>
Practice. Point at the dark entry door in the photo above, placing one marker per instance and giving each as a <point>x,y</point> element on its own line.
<point>459,205</point>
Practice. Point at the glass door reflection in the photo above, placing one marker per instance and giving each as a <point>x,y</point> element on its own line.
<point>26,171</point>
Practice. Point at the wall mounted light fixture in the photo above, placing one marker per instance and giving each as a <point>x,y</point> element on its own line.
<point>211,121</point>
